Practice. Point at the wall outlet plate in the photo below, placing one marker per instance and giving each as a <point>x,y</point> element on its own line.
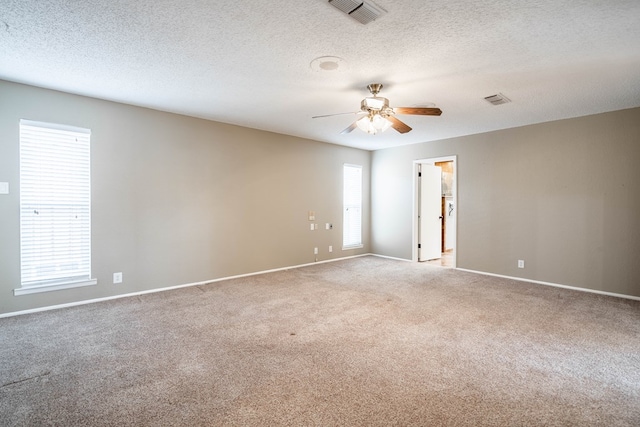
<point>117,277</point>
<point>520,263</point>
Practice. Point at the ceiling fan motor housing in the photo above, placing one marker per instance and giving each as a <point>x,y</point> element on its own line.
<point>375,104</point>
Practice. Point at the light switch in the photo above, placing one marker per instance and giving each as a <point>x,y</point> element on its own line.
<point>4,188</point>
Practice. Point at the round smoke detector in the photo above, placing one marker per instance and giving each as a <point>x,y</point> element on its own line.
<point>328,63</point>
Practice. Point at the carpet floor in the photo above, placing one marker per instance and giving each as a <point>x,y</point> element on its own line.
<point>360,342</point>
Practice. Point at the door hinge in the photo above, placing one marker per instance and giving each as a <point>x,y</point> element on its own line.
<point>419,246</point>
<point>419,174</point>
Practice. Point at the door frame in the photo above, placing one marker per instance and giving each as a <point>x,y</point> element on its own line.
<point>416,203</point>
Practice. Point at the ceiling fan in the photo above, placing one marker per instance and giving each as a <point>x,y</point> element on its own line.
<point>379,116</point>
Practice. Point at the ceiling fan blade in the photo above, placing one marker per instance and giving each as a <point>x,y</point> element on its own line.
<point>418,111</point>
<point>351,127</point>
<point>337,114</point>
<point>399,125</point>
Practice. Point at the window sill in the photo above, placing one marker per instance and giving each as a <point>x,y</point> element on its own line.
<point>346,248</point>
<point>53,287</point>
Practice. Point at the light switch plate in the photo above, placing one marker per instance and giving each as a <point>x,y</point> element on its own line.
<point>4,188</point>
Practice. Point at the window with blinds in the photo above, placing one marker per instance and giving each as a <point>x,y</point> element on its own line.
<point>55,207</point>
<point>352,205</point>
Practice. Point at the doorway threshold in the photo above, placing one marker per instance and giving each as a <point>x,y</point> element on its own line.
<point>445,261</point>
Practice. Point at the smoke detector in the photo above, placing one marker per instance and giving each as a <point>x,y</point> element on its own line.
<point>362,11</point>
<point>328,63</point>
<point>497,99</point>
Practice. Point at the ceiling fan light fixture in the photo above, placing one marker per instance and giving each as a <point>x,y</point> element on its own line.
<point>365,125</point>
<point>380,123</point>
<point>373,124</point>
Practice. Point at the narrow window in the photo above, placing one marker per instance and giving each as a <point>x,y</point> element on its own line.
<point>352,205</point>
<point>55,207</point>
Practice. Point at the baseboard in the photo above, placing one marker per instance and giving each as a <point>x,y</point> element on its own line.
<point>169,288</point>
<point>150,291</point>
<point>555,285</point>
<point>391,257</point>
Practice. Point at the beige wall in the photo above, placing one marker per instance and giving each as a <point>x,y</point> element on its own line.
<point>564,196</point>
<point>177,200</point>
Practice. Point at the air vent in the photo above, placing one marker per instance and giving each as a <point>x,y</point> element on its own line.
<point>363,12</point>
<point>497,99</point>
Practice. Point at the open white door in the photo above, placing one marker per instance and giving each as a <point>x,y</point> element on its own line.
<point>430,213</point>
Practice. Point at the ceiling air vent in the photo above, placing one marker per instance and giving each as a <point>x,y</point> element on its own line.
<point>363,12</point>
<point>497,99</point>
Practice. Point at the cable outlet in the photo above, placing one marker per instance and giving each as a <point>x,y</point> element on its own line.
<point>117,277</point>
<point>520,263</point>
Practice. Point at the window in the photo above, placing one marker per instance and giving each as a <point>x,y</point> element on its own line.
<point>55,207</point>
<point>352,205</point>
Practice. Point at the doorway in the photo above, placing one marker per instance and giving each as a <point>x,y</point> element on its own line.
<point>435,212</point>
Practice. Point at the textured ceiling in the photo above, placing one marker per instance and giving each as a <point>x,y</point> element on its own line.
<point>248,62</point>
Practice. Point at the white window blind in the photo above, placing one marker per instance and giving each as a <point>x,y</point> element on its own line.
<point>55,205</point>
<point>352,203</point>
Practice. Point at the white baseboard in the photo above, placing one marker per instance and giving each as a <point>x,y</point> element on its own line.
<point>150,291</point>
<point>555,285</point>
<point>391,257</point>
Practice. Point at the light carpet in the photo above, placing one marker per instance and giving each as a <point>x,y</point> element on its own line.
<point>360,342</point>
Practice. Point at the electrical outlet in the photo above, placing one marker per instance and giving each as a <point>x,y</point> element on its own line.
<point>330,248</point>
<point>520,263</point>
<point>315,251</point>
<point>311,227</point>
<point>117,277</point>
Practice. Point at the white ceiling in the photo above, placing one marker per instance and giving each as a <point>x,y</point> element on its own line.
<point>248,62</point>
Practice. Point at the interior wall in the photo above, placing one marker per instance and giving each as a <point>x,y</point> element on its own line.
<point>562,196</point>
<point>178,200</point>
